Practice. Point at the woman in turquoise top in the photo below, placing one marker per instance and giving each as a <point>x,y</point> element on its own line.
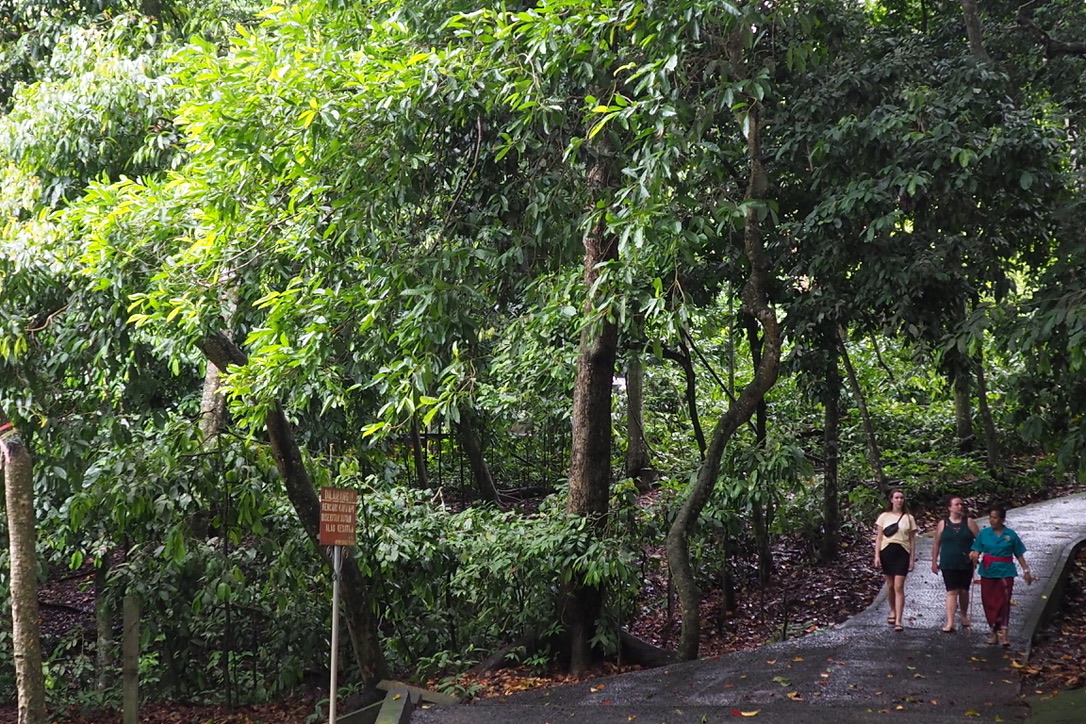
<point>954,538</point>
<point>995,549</point>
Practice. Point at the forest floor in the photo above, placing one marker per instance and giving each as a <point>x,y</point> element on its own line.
<point>802,593</point>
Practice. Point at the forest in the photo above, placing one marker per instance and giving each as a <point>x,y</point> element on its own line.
<point>591,303</point>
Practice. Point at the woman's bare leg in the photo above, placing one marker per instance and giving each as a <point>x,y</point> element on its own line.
<point>951,606</point>
<point>899,600</point>
<point>963,605</point>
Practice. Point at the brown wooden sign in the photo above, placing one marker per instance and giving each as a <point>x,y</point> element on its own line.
<point>339,517</point>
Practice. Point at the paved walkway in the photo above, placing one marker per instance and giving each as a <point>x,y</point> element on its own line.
<point>859,671</point>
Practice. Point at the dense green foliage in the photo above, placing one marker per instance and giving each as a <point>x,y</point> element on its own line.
<point>384,205</point>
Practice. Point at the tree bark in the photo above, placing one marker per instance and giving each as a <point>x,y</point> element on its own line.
<point>637,449</point>
<point>473,449</point>
<point>103,619</point>
<point>963,405</point>
<point>16,465</point>
<point>590,454</point>
<point>682,357</point>
<point>974,31</point>
<point>360,615</point>
<point>130,659</point>
<point>212,404</point>
<point>754,301</point>
<point>991,437</point>
<point>874,454</point>
<point>761,516</point>
<point>831,512</point>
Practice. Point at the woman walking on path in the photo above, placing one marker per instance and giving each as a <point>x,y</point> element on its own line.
<point>895,553</point>
<point>996,548</point>
<point>950,552</point>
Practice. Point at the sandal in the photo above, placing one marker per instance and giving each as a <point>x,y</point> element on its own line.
<point>1005,640</point>
<point>899,627</point>
<point>993,638</point>
<point>966,623</point>
<point>947,629</point>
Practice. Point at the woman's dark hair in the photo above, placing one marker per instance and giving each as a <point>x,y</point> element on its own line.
<point>951,498</point>
<point>998,508</point>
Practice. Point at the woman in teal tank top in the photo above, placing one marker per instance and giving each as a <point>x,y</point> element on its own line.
<point>954,538</point>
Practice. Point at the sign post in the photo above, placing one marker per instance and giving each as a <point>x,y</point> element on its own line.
<point>339,527</point>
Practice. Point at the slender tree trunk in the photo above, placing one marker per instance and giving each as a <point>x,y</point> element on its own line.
<point>690,395</point>
<point>963,405</point>
<point>590,456</point>
<point>974,31</point>
<point>130,659</point>
<point>760,515</point>
<point>15,463</point>
<point>874,454</point>
<point>103,620</point>
<point>360,613</point>
<point>754,300</point>
<point>831,512</point>
<point>418,451</point>
<point>473,449</point>
<point>881,362</point>
<point>991,437</point>
<point>637,449</point>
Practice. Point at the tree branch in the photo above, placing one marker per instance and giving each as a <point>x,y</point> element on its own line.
<point>1052,46</point>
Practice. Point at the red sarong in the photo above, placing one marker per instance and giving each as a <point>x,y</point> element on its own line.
<point>995,595</point>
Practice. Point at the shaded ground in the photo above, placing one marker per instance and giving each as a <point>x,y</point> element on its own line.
<point>803,595</point>
<point>1058,659</point>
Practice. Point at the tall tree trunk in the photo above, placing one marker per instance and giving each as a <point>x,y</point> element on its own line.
<point>754,300</point>
<point>637,448</point>
<point>360,614</point>
<point>963,405</point>
<point>760,515</point>
<point>831,512</point>
<point>590,455</point>
<point>212,404</point>
<point>473,449</point>
<point>974,31</point>
<point>991,437</point>
<point>130,659</point>
<point>16,466</point>
<point>874,454</point>
<point>103,620</point>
